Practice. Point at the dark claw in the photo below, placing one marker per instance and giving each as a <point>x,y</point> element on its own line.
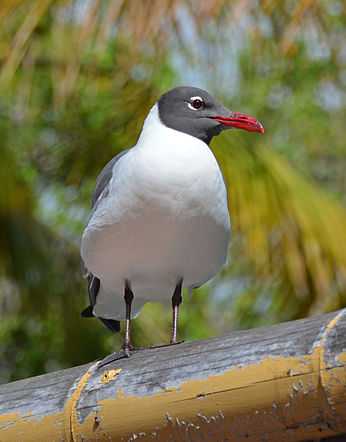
<point>126,352</point>
<point>120,354</point>
<point>165,345</point>
<point>176,343</point>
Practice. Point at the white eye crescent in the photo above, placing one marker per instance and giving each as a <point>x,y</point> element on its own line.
<point>196,103</point>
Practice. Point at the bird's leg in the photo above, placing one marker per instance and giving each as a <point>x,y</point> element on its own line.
<point>128,300</point>
<point>176,300</point>
<point>127,347</point>
<point>125,351</point>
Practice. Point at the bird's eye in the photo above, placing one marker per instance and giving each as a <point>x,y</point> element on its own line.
<point>197,103</point>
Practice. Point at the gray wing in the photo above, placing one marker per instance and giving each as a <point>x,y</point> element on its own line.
<point>103,180</point>
<point>101,190</point>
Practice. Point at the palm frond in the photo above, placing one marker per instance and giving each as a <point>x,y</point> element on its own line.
<point>291,228</point>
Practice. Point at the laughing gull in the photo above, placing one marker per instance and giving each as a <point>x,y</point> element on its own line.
<point>159,221</point>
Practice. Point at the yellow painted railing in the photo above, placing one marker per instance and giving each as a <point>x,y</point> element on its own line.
<point>284,382</point>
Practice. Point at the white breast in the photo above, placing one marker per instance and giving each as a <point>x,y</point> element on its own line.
<point>165,218</point>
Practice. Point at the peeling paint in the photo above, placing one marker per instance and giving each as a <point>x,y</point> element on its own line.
<point>71,412</point>
<point>109,375</point>
<point>57,426</point>
<point>169,389</point>
<point>169,418</point>
<point>183,402</point>
<point>270,395</point>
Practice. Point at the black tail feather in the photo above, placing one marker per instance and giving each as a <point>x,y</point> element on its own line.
<point>112,324</point>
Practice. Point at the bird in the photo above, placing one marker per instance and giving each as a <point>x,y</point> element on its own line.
<point>159,221</point>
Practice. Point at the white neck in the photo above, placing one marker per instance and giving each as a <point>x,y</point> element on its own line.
<point>156,135</point>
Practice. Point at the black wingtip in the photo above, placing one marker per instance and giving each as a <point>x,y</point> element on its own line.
<point>111,324</point>
<point>87,312</point>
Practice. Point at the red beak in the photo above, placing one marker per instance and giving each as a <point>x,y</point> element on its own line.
<point>240,121</point>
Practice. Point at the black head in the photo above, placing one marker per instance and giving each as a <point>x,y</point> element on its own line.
<point>193,111</point>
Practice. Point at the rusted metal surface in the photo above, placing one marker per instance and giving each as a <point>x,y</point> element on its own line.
<point>285,382</point>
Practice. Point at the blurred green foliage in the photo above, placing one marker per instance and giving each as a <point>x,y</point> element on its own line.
<point>77,79</point>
